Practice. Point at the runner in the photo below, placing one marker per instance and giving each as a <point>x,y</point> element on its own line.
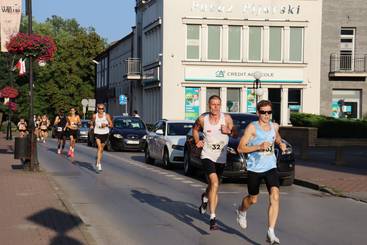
<point>216,127</point>
<point>73,122</point>
<point>43,126</point>
<point>37,130</point>
<point>258,142</point>
<point>101,122</point>
<point>60,123</point>
<point>22,127</point>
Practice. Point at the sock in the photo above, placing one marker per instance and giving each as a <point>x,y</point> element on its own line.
<point>212,216</point>
<point>205,199</point>
<point>271,231</point>
<point>243,213</point>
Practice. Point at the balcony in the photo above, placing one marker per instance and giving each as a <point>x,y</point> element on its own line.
<point>348,65</point>
<point>132,69</point>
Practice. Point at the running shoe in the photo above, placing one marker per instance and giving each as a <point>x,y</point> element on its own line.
<point>72,154</point>
<point>271,238</point>
<point>59,151</point>
<point>241,219</point>
<point>69,153</point>
<point>213,224</point>
<point>204,205</point>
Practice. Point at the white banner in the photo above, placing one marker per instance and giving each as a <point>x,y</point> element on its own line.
<point>10,15</point>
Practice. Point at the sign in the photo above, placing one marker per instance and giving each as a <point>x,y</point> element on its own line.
<point>10,15</point>
<point>232,74</point>
<point>192,103</point>
<point>84,102</point>
<point>251,101</point>
<point>151,74</point>
<point>122,99</point>
<point>91,104</point>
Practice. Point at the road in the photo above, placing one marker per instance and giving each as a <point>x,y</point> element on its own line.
<point>135,203</point>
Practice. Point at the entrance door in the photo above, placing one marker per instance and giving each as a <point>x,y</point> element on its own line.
<point>274,95</point>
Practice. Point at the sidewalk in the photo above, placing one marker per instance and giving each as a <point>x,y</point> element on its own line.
<point>320,172</point>
<point>32,211</point>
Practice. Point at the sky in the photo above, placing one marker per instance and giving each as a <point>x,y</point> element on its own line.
<point>112,19</point>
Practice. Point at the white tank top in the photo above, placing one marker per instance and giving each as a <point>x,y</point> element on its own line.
<point>98,124</point>
<point>215,142</point>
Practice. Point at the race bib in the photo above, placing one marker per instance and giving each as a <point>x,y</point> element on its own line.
<point>43,127</point>
<point>59,129</point>
<point>269,151</point>
<point>216,147</point>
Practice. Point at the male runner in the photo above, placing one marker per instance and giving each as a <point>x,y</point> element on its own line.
<point>258,142</point>
<point>216,126</point>
<point>72,125</point>
<point>60,123</point>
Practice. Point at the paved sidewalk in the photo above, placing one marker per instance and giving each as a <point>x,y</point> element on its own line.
<point>31,209</point>
<point>320,172</point>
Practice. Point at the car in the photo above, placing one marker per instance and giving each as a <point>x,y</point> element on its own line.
<point>128,133</point>
<point>236,162</point>
<point>166,141</point>
<point>83,131</point>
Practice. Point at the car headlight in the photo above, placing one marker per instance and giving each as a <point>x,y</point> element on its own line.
<point>231,150</point>
<point>178,147</point>
<point>288,149</point>
<point>144,137</point>
<point>119,136</point>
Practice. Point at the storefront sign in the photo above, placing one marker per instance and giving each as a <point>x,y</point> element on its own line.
<point>151,74</point>
<point>275,75</point>
<point>10,14</point>
<point>192,103</point>
<point>251,101</point>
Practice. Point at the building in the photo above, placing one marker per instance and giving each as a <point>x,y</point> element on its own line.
<point>344,59</point>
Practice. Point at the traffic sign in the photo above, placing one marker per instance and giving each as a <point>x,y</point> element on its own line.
<point>84,102</point>
<point>122,99</point>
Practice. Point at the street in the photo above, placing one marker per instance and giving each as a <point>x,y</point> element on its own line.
<point>132,202</point>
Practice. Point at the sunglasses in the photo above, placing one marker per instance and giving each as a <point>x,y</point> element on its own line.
<point>265,112</point>
<point>99,108</point>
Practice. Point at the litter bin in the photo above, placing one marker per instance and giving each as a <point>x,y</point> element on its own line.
<point>22,147</point>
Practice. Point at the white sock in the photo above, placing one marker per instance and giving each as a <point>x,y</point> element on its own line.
<point>242,213</point>
<point>212,216</point>
<point>271,231</point>
<point>205,199</point>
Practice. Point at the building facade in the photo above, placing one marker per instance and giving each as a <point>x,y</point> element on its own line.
<point>193,49</point>
<point>344,59</point>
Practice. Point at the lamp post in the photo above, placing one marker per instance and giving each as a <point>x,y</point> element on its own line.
<point>256,86</point>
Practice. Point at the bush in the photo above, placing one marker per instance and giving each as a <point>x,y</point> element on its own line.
<point>329,127</point>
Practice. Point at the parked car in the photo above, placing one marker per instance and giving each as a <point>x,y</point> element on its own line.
<point>236,162</point>
<point>166,141</point>
<point>128,133</point>
<point>83,131</point>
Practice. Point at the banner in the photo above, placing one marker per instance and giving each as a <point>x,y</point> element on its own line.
<point>192,103</point>
<point>10,15</point>
<point>251,101</point>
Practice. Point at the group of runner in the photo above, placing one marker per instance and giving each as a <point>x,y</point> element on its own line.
<point>257,142</point>
<point>41,125</point>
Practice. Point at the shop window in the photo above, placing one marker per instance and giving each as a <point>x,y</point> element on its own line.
<point>234,43</point>
<point>274,95</point>
<point>296,44</point>
<point>346,104</point>
<point>233,99</point>
<point>193,42</point>
<point>192,103</point>
<point>209,93</point>
<point>294,100</point>
<point>214,33</point>
<point>255,43</point>
<point>275,44</point>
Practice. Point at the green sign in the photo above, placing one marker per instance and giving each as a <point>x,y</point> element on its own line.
<point>192,103</point>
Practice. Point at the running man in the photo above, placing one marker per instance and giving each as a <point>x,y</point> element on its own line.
<point>22,127</point>
<point>258,142</point>
<point>44,124</point>
<point>60,124</point>
<point>102,123</point>
<point>73,123</point>
<point>216,127</point>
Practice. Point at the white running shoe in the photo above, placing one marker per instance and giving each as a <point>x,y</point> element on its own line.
<point>241,219</point>
<point>271,238</point>
<point>100,167</point>
<point>59,151</point>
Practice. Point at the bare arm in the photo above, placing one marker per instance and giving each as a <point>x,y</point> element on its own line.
<point>278,138</point>
<point>93,121</point>
<point>195,131</point>
<point>109,119</point>
<point>57,120</point>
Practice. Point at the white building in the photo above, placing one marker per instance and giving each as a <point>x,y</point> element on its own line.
<point>193,49</point>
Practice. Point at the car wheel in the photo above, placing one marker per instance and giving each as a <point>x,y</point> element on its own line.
<point>288,181</point>
<point>188,168</point>
<point>147,157</point>
<point>166,163</point>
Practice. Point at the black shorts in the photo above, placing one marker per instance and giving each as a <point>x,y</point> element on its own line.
<point>271,178</point>
<point>72,132</point>
<point>60,134</point>
<point>213,167</point>
<point>102,137</point>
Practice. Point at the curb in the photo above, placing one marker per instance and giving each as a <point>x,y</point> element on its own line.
<point>325,189</point>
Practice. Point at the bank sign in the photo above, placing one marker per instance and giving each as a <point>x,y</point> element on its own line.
<point>272,75</point>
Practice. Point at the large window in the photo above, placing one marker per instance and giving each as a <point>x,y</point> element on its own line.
<point>214,47</point>
<point>233,99</point>
<point>275,44</point>
<point>296,44</point>
<point>346,104</point>
<point>234,43</point>
<point>193,42</point>
<point>255,43</point>
<point>294,100</point>
<point>347,37</point>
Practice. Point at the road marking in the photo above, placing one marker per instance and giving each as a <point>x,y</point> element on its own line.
<point>187,182</point>
<point>178,178</point>
<point>197,185</point>
<point>171,175</point>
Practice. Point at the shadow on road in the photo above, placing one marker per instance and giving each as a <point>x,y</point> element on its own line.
<point>184,212</point>
<point>86,165</point>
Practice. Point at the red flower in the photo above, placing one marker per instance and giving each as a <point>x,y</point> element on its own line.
<point>8,92</point>
<point>12,105</point>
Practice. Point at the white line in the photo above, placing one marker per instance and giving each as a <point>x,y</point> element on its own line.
<point>171,175</point>
<point>196,185</point>
<point>178,178</point>
<point>187,182</point>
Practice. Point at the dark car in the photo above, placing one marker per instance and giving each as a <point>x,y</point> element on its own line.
<point>128,133</point>
<point>236,162</point>
<point>83,131</point>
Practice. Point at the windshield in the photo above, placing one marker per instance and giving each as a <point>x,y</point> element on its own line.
<point>240,122</point>
<point>178,128</point>
<point>85,124</point>
<point>129,123</point>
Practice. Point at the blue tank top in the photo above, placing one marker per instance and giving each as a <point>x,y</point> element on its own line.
<point>262,161</point>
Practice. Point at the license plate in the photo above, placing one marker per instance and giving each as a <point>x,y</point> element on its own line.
<point>132,142</point>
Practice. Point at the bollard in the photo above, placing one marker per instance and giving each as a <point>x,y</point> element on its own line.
<point>22,147</point>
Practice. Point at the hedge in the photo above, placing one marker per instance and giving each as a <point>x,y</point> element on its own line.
<point>329,127</point>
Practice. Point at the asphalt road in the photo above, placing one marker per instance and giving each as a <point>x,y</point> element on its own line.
<point>131,202</point>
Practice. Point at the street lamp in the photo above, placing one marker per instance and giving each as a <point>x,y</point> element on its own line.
<point>256,86</point>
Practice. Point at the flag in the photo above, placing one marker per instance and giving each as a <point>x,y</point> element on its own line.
<point>21,67</point>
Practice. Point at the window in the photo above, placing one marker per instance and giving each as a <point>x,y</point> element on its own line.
<point>193,42</point>
<point>178,128</point>
<point>210,92</point>
<point>255,43</point>
<point>234,43</point>
<point>296,44</point>
<point>233,99</point>
<point>214,42</point>
<point>347,36</point>
<point>346,104</point>
<point>294,99</point>
<point>275,44</point>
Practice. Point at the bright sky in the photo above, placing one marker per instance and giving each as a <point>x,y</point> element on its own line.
<point>112,19</point>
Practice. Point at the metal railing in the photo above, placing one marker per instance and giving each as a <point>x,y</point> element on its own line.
<point>348,63</point>
<point>132,67</point>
